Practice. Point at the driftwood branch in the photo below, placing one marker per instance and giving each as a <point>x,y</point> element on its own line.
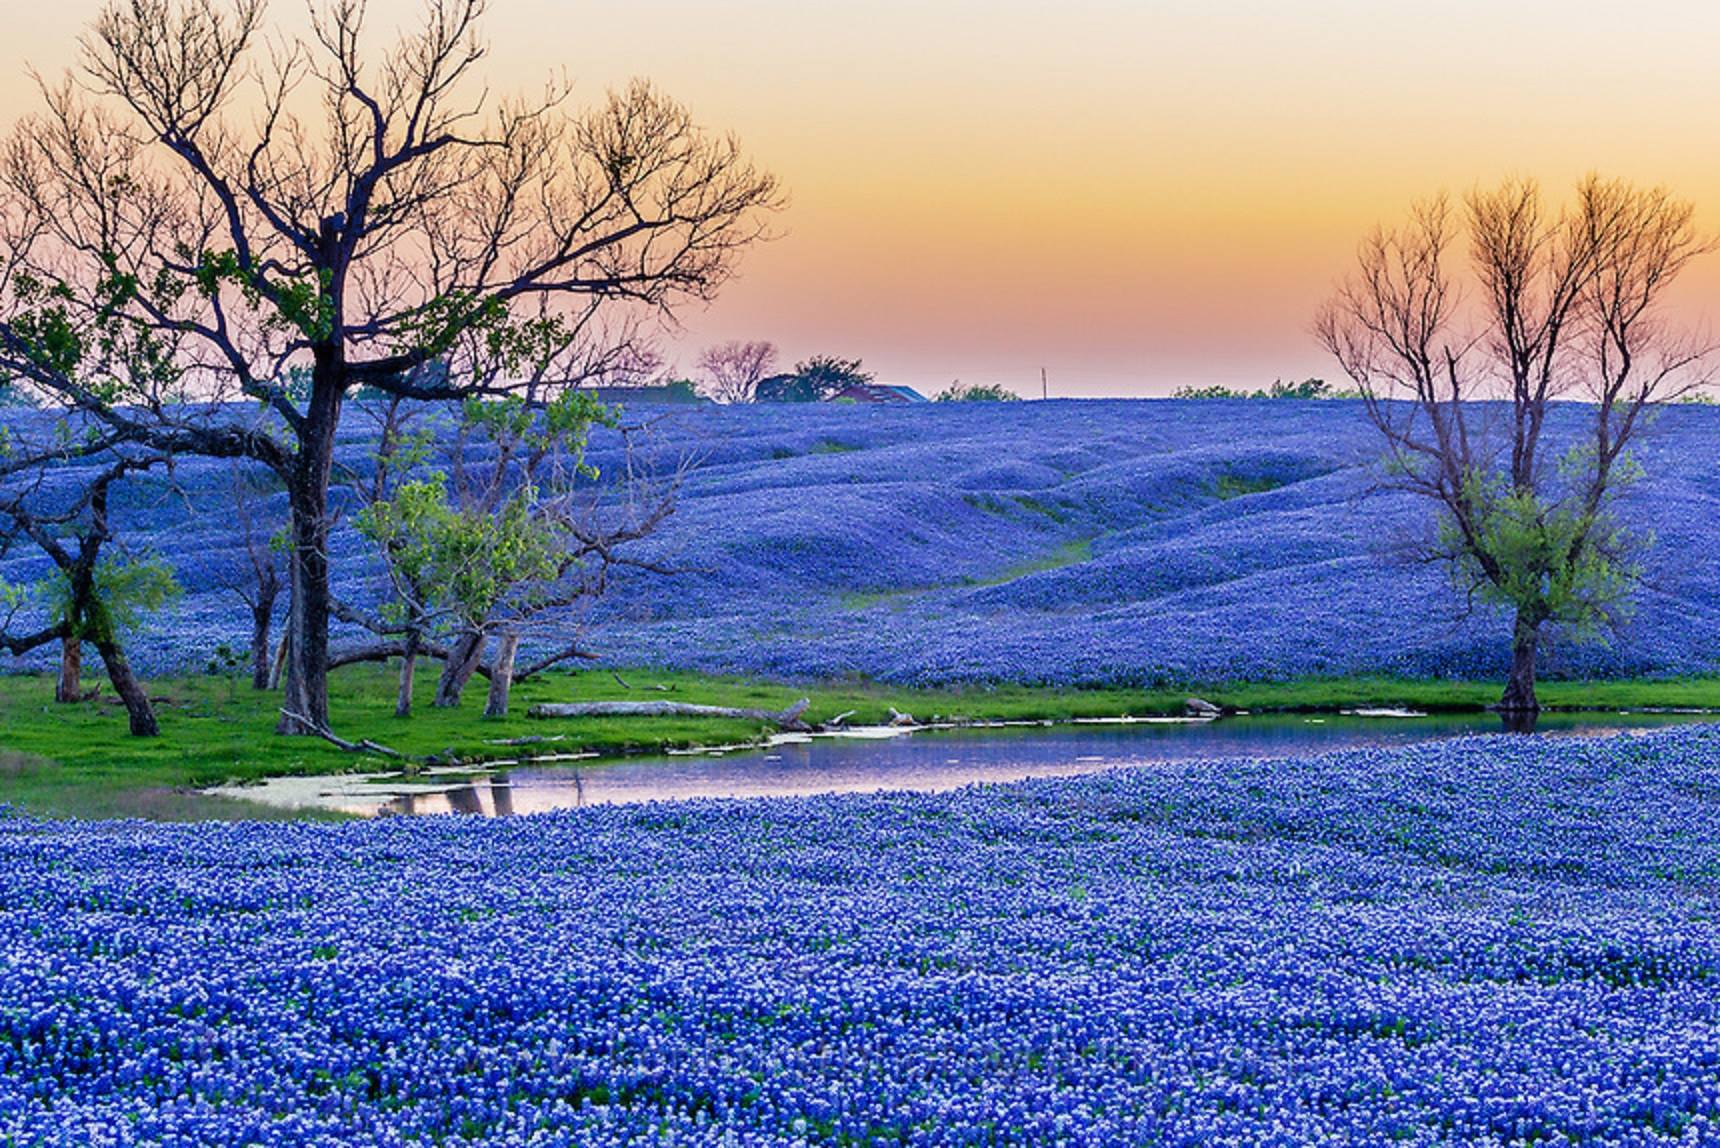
<point>626,685</point>
<point>789,719</point>
<point>335,739</point>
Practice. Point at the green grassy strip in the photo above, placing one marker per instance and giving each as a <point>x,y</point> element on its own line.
<point>78,761</point>
<point>1068,554</point>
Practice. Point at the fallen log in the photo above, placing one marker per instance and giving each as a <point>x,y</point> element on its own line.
<point>789,719</point>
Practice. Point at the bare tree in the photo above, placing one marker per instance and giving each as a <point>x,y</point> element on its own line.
<point>731,371</point>
<point>210,283</point>
<point>257,573</point>
<point>96,595</point>
<point>1566,306</point>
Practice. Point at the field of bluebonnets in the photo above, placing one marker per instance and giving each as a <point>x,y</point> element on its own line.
<point>1062,542</point>
<point>1484,941</point>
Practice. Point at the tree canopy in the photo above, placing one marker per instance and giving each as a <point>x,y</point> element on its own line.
<point>217,231</point>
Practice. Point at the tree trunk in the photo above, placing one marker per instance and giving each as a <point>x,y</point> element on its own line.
<point>306,692</point>
<point>408,670</point>
<point>1520,687</point>
<point>262,660</point>
<point>463,659</point>
<point>279,665</point>
<point>502,675</point>
<point>69,688</point>
<point>130,691</point>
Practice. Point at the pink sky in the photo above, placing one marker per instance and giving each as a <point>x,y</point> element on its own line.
<point>1133,194</point>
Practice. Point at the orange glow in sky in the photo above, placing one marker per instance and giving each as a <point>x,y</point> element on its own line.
<point>1134,194</point>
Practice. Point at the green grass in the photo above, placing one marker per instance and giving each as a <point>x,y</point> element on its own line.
<point>78,760</point>
<point>1231,486</point>
<point>1039,506</point>
<point>1068,554</point>
<point>858,600</point>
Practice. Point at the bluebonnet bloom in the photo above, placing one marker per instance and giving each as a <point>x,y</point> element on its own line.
<point>1486,941</point>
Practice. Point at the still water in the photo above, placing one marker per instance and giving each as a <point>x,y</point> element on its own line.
<point>925,761</point>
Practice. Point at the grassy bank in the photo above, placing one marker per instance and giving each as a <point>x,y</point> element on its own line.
<point>78,761</point>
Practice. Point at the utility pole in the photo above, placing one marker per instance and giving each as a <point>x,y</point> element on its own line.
<point>1044,387</point>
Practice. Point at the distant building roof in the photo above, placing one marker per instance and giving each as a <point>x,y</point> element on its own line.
<point>879,393</point>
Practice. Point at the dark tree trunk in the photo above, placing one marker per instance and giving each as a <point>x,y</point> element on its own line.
<point>408,670</point>
<point>129,689</point>
<point>502,675</point>
<point>306,692</point>
<point>1520,687</point>
<point>463,659</point>
<point>69,688</point>
<point>262,654</point>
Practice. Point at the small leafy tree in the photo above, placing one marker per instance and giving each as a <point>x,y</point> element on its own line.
<point>1566,306</point>
<point>498,540</point>
<point>95,595</point>
<point>387,508</point>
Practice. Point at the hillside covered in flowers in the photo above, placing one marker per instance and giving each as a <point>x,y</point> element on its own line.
<point>1071,542</point>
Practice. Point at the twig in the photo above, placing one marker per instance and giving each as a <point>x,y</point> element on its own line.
<point>335,739</point>
<point>659,687</point>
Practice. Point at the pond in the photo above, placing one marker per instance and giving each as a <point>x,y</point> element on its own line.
<point>922,760</point>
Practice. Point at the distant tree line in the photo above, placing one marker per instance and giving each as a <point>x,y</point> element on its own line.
<point>743,372</point>
<point>960,392</point>
<point>1280,389</point>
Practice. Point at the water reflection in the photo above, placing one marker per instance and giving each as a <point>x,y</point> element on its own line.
<point>1519,721</point>
<point>936,760</point>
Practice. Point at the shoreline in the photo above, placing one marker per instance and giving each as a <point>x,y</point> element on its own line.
<point>76,761</point>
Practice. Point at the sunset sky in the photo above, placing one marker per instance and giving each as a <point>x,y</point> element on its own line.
<point>1134,194</point>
